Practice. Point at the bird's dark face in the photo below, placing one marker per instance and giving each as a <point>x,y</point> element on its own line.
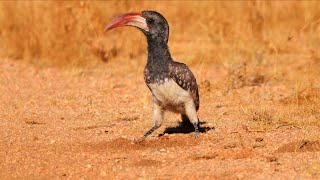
<point>151,23</point>
<point>158,26</point>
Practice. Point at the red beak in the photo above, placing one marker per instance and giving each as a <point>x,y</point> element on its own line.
<point>129,19</point>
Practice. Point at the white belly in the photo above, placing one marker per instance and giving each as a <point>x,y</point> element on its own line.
<point>170,95</point>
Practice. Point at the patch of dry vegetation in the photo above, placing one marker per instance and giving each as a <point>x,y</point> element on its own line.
<point>72,32</point>
<point>299,110</point>
<point>302,108</point>
<point>263,117</point>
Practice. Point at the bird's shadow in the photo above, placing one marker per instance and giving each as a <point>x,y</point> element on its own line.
<point>187,128</point>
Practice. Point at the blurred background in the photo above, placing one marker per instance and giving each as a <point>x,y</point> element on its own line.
<point>71,33</point>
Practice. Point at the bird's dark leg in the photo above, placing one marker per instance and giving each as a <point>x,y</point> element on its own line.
<point>151,131</point>
<point>192,115</point>
<point>158,113</point>
<point>196,129</point>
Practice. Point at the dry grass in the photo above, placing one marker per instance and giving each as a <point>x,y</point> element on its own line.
<point>300,110</point>
<point>263,117</point>
<point>64,33</point>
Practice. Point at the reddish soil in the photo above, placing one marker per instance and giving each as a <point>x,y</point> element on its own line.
<point>88,123</point>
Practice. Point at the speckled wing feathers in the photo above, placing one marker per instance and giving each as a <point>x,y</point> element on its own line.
<point>182,75</point>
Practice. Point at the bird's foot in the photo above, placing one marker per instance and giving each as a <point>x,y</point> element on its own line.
<point>196,132</point>
<point>139,140</point>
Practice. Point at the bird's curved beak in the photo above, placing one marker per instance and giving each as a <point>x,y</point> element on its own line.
<point>130,19</point>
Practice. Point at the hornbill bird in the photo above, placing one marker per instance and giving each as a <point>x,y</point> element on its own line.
<point>173,86</point>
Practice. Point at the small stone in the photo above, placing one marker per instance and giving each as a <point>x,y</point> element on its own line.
<point>52,141</point>
<point>162,150</point>
<point>224,113</point>
<point>219,106</point>
<point>230,145</point>
<point>89,166</point>
<point>259,139</point>
<point>272,159</point>
<point>259,145</point>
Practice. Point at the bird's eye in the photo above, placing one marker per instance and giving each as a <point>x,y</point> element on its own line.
<point>150,20</point>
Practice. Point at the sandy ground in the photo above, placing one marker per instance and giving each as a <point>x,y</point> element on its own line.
<point>88,123</point>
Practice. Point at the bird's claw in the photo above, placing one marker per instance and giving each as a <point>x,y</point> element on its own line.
<point>196,134</point>
<point>139,140</point>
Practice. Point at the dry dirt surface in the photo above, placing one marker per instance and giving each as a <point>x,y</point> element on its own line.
<point>87,123</point>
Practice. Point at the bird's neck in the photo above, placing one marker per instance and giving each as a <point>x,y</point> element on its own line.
<point>158,52</point>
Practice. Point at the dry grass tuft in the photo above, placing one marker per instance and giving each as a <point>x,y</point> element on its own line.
<point>300,110</point>
<point>239,76</point>
<point>262,117</point>
<point>305,96</point>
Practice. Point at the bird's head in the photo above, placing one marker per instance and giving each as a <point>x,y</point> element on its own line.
<point>151,23</point>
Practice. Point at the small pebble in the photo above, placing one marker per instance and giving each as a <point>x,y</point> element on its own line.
<point>259,139</point>
<point>230,145</point>
<point>272,159</point>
